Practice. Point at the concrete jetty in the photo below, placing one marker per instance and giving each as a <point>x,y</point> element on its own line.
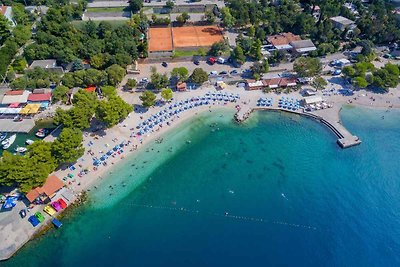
<point>345,138</point>
<point>9,125</point>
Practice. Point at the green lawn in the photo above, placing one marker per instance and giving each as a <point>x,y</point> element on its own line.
<point>184,53</point>
<point>107,9</point>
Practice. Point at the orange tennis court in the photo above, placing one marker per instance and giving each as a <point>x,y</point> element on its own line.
<point>195,36</point>
<point>167,39</point>
<point>160,39</point>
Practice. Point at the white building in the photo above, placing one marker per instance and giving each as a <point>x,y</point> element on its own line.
<point>343,23</point>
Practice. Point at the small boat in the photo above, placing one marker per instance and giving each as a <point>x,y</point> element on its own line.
<point>41,133</point>
<point>56,223</point>
<point>3,136</point>
<point>18,119</point>
<point>21,149</point>
<point>29,141</point>
<point>9,141</point>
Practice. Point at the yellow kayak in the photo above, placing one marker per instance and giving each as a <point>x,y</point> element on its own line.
<point>49,210</point>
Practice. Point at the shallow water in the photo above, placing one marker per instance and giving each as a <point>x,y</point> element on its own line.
<point>275,191</point>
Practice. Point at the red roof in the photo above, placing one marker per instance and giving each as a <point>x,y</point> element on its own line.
<point>13,105</point>
<point>91,89</point>
<point>39,97</point>
<point>3,9</point>
<point>14,92</point>
<point>52,185</point>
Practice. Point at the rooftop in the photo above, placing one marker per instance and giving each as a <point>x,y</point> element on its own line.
<point>39,97</point>
<point>283,38</point>
<point>3,9</point>
<point>52,185</point>
<point>47,63</point>
<point>342,20</point>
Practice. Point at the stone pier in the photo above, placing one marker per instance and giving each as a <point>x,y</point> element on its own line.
<point>328,117</point>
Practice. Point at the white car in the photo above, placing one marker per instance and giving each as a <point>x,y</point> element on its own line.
<point>213,73</point>
<point>221,60</point>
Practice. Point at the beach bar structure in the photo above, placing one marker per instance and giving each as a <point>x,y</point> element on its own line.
<point>15,96</point>
<point>44,193</point>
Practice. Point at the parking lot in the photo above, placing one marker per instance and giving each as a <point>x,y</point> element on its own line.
<point>145,69</point>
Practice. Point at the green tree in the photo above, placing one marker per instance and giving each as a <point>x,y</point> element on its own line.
<point>5,27</point>
<point>148,98</point>
<point>199,76</point>
<point>67,148</point>
<point>360,82</point>
<point>115,74</point>
<point>319,83</point>
<point>183,18</point>
<point>169,4</point>
<point>227,19</point>
<point>209,16</point>
<point>135,5</point>
<point>97,61</point>
<point>307,67</point>
<point>166,94</point>
<point>109,91</point>
<point>219,48</point>
<point>181,73</point>
<point>348,71</point>
<point>158,80</point>
<point>255,51</point>
<point>238,55</point>
<point>19,14</point>
<point>60,93</point>
<point>30,170</point>
<point>113,110</point>
<point>130,84</point>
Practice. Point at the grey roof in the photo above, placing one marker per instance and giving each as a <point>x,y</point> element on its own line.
<point>342,20</point>
<point>45,64</point>
<point>302,44</point>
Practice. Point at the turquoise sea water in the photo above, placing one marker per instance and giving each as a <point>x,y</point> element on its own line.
<point>276,191</point>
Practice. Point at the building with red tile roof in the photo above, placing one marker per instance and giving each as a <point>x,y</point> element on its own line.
<point>50,187</point>
<point>39,97</point>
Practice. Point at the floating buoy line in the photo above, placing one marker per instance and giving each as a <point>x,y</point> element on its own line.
<point>225,215</point>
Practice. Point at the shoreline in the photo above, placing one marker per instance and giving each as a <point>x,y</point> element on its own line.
<point>123,131</point>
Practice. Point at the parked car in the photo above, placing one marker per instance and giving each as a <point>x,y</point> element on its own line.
<point>164,64</point>
<point>221,60</point>
<point>212,60</point>
<point>196,62</point>
<point>213,73</point>
<point>22,213</point>
<point>223,73</point>
<point>234,72</point>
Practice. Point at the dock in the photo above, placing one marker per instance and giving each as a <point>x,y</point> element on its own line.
<point>11,126</point>
<point>345,138</point>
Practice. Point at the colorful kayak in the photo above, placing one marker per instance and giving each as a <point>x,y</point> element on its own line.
<point>39,216</point>
<point>49,210</point>
<point>33,220</point>
<point>62,203</point>
<point>56,206</point>
<point>56,223</point>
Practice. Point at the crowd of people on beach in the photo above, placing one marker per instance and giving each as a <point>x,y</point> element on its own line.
<point>152,124</point>
<point>171,112</point>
